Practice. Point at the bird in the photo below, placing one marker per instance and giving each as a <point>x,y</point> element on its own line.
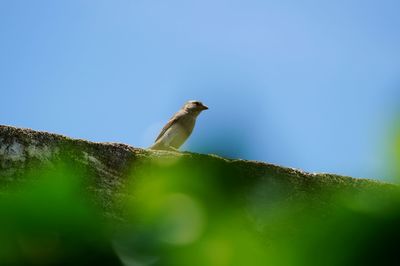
<point>179,127</point>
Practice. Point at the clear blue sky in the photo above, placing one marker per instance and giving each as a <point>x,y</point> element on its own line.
<point>306,84</point>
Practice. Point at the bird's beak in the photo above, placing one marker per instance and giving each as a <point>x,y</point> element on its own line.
<point>205,107</point>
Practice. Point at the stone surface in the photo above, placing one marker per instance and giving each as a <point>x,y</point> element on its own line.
<point>109,167</point>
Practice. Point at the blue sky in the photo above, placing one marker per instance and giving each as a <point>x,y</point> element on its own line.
<point>312,85</point>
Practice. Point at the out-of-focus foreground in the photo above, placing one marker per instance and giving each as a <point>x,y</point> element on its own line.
<point>73,202</point>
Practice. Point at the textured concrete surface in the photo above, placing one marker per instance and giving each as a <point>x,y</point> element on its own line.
<point>109,167</point>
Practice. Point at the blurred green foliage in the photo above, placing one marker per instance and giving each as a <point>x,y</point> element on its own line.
<point>396,152</point>
<point>179,213</point>
<point>48,220</point>
<point>189,217</point>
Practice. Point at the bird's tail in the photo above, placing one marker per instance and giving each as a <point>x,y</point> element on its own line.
<point>160,146</point>
<point>157,146</point>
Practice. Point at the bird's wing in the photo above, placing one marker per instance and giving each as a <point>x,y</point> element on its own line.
<point>172,121</point>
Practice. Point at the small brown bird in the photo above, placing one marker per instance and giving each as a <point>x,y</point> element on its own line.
<point>179,127</point>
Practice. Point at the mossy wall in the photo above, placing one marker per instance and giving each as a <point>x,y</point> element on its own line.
<point>171,208</point>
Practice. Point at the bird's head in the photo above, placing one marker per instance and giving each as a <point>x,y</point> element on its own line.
<point>194,107</point>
